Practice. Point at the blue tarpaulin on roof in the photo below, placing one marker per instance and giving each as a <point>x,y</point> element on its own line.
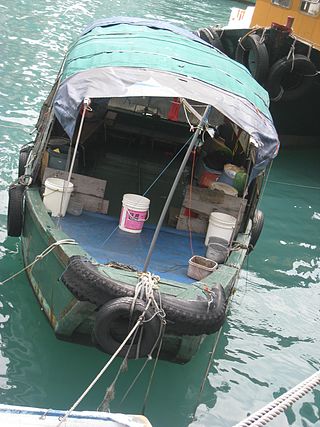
<point>127,57</point>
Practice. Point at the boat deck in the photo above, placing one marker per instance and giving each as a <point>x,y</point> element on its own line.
<point>100,236</point>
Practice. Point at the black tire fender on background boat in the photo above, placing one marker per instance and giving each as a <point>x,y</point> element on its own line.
<point>257,226</point>
<point>112,325</point>
<point>15,210</point>
<point>210,36</point>
<point>23,158</point>
<point>184,317</point>
<point>251,51</point>
<point>291,78</point>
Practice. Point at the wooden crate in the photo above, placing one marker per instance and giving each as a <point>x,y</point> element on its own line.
<point>204,201</point>
<point>87,190</point>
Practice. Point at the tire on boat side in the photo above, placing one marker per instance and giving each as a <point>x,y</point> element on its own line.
<point>184,317</point>
<point>112,325</point>
<point>23,158</point>
<point>210,36</point>
<point>251,50</point>
<point>15,210</point>
<point>290,79</point>
<point>257,226</point>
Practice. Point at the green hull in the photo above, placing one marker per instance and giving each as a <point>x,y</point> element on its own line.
<point>74,320</point>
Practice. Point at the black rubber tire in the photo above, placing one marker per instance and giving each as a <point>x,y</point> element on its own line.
<point>23,157</point>
<point>184,317</point>
<point>112,326</point>
<point>257,226</point>
<point>288,81</point>
<point>210,36</point>
<point>15,210</point>
<point>254,56</point>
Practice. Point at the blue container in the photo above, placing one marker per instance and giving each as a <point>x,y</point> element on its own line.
<point>224,177</point>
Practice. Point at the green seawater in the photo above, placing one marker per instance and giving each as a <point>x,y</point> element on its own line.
<point>271,340</point>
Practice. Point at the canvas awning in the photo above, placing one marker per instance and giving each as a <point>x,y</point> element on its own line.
<point>129,57</point>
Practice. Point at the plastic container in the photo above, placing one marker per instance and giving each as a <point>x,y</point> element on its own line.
<point>57,195</point>
<point>134,213</point>
<point>204,174</point>
<point>220,225</point>
<point>200,267</point>
<point>239,181</point>
<point>208,177</point>
<point>229,173</point>
<point>227,189</point>
<point>75,207</point>
<point>217,249</point>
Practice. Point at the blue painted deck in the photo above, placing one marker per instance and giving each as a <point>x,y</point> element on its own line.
<point>169,260</point>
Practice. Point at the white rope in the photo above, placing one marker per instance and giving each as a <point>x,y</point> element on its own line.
<point>144,290</point>
<point>106,366</point>
<point>279,405</point>
<point>292,53</point>
<point>310,187</point>
<point>145,287</point>
<point>41,256</point>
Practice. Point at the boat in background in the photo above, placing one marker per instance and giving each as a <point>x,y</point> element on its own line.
<point>279,42</point>
<point>121,227</point>
<point>20,416</point>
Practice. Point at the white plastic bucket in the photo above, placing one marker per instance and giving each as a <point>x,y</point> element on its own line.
<point>220,225</point>
<point>57,195</point>
<point>134,213</point>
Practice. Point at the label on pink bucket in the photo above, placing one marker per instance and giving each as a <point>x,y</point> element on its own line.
<point>131,219</point>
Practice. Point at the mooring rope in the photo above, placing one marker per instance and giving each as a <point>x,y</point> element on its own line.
<point>102,371</point>
<point>144,290</point>
<point>279,405</point>
<point>41,256</point>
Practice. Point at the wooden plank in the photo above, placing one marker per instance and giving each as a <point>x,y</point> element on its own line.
<point>197,225</point>
<point>204,201</point>
<point>82,184</point>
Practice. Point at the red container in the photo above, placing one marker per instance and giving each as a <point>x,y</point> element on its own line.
<point>207,178</point>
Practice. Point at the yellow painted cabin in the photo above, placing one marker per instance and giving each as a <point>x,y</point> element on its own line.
<point>306,14</point>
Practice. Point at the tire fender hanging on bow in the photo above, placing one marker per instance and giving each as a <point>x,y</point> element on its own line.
<point>253,54</point>
<point>114,321</point>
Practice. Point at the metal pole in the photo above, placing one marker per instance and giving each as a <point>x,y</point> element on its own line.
<point>86,104</point>
<point>174,186</point>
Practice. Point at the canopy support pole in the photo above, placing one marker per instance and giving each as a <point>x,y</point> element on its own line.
<point>203,121</point>
<point>86,106</point>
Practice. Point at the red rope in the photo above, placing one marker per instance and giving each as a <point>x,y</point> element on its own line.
<point>190,198</point>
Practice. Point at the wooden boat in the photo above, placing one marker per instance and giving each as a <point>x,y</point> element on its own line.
<point>279,42</point>
<point>19,416</point>
<point>140,108</point>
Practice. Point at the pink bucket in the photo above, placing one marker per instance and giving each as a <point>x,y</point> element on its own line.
<point>134,213</point>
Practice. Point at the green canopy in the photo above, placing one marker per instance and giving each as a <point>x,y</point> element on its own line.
<point>123,57</point>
